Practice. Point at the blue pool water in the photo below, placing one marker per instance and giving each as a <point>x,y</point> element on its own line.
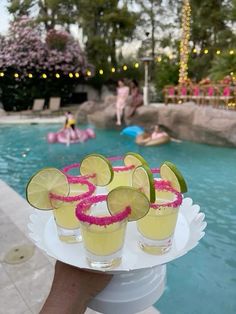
<point>204,280</point>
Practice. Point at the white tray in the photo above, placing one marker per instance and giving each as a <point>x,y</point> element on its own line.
<point>189,231</point>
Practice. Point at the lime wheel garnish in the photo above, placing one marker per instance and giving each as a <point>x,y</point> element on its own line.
<point>123,197</point>
<point>44,182</point>
<point>169,172</point>
<point>142,179</point>
<point>98,167</point>
<point>134,159</point>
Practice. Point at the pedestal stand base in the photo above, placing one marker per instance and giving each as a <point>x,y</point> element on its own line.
<point>131,292</point>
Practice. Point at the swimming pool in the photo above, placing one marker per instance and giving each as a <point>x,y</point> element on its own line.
<point>201,282</point>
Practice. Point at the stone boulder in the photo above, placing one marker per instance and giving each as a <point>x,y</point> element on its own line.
<point>92,109</point>
<point>200,124</point>
<point>105,118</point>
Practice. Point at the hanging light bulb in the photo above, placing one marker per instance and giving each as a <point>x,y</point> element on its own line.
<point>44,75</point>
<point>136,65</point>
<point>125,67</point>
<point>218,52</point>
<point>16,75</point>
<point>30,75</point>
<point>71,75</point>
<point>2,74</point>
<point>101,72</point>
<point>76,74</point>
<point>113,70</point>
<point>89,73</point>
<point>57,75</point>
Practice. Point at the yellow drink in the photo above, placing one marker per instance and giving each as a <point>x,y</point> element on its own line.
<point>65,218</point>
<point>157,227</point>
<point>103,234</point>
<point>121,178</point>
<point>103,240</point>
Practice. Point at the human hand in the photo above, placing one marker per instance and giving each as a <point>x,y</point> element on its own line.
<point>72,289</point>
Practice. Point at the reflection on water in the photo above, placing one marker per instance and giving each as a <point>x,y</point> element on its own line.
<point>203,281</point>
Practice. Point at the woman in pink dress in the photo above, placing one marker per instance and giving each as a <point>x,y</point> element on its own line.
<point>122,96</point>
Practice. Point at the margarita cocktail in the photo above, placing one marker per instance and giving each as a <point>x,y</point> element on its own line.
<point>68,226</point>
<point>51,189</point>
<point>156,229</point>
<point>103,234</point>
<point>122,177</point>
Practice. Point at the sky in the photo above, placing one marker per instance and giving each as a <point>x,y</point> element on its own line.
<point>4,17</point>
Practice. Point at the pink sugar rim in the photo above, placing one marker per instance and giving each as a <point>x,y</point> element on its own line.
<point>155,170</point>
<point>101,221</point>
<point>165,186</point>
<point>74,180</point>
<point>122,168</point>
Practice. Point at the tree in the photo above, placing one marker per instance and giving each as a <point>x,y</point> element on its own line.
<point>106,24</point>
<point>222,66</point>
<point>156,22</point>
<point>20,7</point>
<point>23,52</point>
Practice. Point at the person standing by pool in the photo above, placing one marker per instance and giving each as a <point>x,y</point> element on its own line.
<point>122,96</point>
<point>136,99</point>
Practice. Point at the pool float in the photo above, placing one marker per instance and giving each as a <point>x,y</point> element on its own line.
<point>141,139</point>
<point>133,130</point>
<point>76,136</point>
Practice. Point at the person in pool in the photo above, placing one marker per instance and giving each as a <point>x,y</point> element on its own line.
<point>70,121</point>
<point>69,127</point>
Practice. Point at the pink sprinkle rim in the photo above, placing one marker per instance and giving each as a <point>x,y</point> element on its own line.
<point>100,221</point>
<point>73,180</point>
<point>163,185</point>
<point>115,169</point>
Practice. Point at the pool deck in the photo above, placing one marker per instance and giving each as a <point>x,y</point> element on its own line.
<point>23,286</point>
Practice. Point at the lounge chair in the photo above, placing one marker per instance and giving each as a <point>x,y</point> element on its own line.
<point>53,107</point>
<point>36,109</point>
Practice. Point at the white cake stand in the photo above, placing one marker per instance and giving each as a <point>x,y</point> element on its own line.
<point>140,280</point>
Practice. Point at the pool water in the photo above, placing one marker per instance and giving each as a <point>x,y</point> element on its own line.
<point>204,280</point>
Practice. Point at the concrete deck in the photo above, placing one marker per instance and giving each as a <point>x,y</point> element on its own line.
<point>24,286</point>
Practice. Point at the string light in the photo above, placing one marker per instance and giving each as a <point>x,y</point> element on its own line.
<point>101,72</point>
<point>44,76</point>
<point>231,52</point>
<point>218,52</point>
<point>71,75</point>
<point>113,70</point>
<point>89,73</point>
<point>206,51</point>
<point>76,74</point>
<point>194,50</point>
<point>57,75</point>
<point>16,75</point>
<point>125,67</point>
<point>30,75</point>
<point>136,65</point>
<point>231,73</point>
<point>1,74</point>
<point>184,43</point>
<point>159,59</point>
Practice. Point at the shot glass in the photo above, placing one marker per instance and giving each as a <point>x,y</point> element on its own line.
<point>122,177</point>
<point>156,229</point>
<point>103,234</point>
<point>68,226</point>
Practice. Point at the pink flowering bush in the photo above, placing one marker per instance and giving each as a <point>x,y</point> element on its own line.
<point>24,51</point>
